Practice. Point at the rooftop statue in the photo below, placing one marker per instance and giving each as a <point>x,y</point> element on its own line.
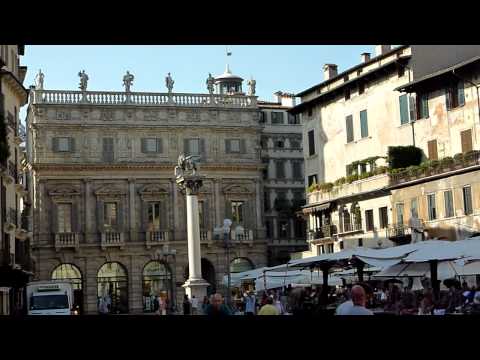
<point>39,80</point>
<point>252,84</point>
<point>169,83</point>
<point>127,81</point>
<point>83,80</point>
<point>210,82</point>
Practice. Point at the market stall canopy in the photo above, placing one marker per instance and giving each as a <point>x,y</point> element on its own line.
<point>305,277</point>
<point>446,270</point>
<point>447,250</point>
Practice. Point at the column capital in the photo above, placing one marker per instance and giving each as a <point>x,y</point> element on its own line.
<point>190,184</point>
<point>131,180</point>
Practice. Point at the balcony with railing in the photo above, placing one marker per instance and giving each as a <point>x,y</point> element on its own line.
<point>68,97</point>
<point>158,237</point>
<point>324,233</point>
<point>112,239</point>
<point>399,233</point>
<point>436,168</point>
<point>351,228</point>
<point>66,240</point>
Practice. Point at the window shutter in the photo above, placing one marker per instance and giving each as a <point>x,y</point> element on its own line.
<point>100,215</point>
<point>228,210</point>
<point>461,93</point>
<point>466,138</point>
<point>412,107</point>
<point>159,146</point>
<point>228,146</point>
<point>425,113</point>
<point>363,123</point>
<point>71,144</point>
<point>432,150</point>
<point>121,217</point>
<point>203,155</point>
<point>55,144</point>
<point>403,109</point>
<point>349,125</point>
<point>144,146</point>
<point>186,147</point>
<point>54,217</point>
<point>163,215</point>
<point>448,98</point>
<point>243,148</point>
<point>144,215</point>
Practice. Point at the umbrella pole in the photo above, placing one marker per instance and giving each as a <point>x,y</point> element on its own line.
<point>434,278</point>
<point>360,266</point>
<point>325,269</point>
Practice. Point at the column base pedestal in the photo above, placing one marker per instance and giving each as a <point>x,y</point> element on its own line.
<point>197,288</point>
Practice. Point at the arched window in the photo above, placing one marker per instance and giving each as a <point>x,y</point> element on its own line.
<point>157,282</point>
<point>240,265</point>
<point>112,292</point>
<point>72,273</point>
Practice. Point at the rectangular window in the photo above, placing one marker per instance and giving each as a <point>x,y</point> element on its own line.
<point>310,111</point>
<point>295,144</point>
<point>194,146</point>
<point>361,88</point>
<point>383,215</point>
<point>233,145</point>
<point>341,245</point>
<point>283,229</point>
<point>422,106</point>
<point>237,211</point>
<point>110,213</point>
<point>414,207</point>
<point>277,117</point>
<point>401,71</point>
<point>330,248</point>
<point>455,95</point>
<point>293,119</point>
<point>349,125</point>
<point>466,138</point>
<point>399,207</point>
<point>432,150</point>
<point>467,200</point>
<point>108,151</point>
<point>363,123</point>
<point>280,169</point>
<point>151,145</point>
<point>311,143</point>
<point>201,214</point>
<point>297,170</point>
<point>63,144</point>
<point>369,220</point>
<point>447,195</point>
<point>154,216</point>
<point>312,179</point>
<point>432,208</point>
<point>263,117</point>
<point>64,215</point>
<point>404,112</point>
<point>363,168</point>
<point>360,242</point>
<point>279,144</point>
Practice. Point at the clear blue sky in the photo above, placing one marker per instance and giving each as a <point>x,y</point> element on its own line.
<point>274,67</point>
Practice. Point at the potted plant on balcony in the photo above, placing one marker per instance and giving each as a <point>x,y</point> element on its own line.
<point>471,157</point>
<point>458,161</point>
<point>447,163</point>
<point>434,166</point>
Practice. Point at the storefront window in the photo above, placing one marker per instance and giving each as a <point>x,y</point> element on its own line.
<point>112,292</point>
<point>72,273</point>
<point>157,286</point>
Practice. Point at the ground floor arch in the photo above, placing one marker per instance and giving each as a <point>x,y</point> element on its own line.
<point>72,273</point>
<point>157,286</point>
<point>112,288</point>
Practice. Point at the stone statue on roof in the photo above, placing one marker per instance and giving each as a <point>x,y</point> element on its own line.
<point>169,83</point>
<point>127,81</point>
<point>251,87</point>
<point>83,80</point>
<point>210,83</point>
<point>39,80</point>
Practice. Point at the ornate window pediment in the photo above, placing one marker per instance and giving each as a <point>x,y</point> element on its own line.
<point>152,191</point>
<point>109,190</point>
<point>64,191</point>
<point>236,189</point>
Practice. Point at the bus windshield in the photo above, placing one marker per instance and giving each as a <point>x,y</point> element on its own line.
<point>49,302</point>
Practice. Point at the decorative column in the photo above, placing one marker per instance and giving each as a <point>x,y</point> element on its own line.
<point>190,183</point>
<point>174,211</point>
<point>86,209</point>
<point>218,218</point>
<point>131,208</point>
<point>258,204</point>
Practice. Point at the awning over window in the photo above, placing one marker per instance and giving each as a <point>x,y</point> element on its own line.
<point>314,208</point>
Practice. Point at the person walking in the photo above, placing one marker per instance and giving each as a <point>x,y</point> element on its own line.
<point>205,304</point>
<point>186,305</point>
<point>194,305</point>
<point>250,302</point>
<point>217,307</point>
<point>359,299</point>
<point>268,308</point>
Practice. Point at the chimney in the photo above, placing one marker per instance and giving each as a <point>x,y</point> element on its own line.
<point>365,57</point>
<point>329,71</point>
<point>382,49</point>
<point>285,99</point>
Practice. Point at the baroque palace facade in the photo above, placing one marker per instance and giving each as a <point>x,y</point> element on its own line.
<point>107,212</point>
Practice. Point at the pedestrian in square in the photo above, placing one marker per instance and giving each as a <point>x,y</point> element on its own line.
<point>187,306</point>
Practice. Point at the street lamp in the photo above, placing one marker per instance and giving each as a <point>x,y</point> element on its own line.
<point>227,223</point>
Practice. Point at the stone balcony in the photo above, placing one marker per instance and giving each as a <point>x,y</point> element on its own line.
<point>366,185</point>
<point>286,242</point>
<point>112,239</point>
<point>66,240</point>
<point>69,97</point>
<point>324,233</point>
<point>159,237</point>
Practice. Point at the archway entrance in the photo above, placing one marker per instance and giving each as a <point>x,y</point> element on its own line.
<point>240,264</point>
<point>112,283</point>
<point>157,282</point>
<point>72,273</point>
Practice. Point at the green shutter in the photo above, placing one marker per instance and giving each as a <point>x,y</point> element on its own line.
<point>227,146</point>
<point>461,94</point>
<point>448,98</point>
<point>364,123</point>
<point>144,146</point>
<point>159,146</point>
<point>424,114</point>
<point>412,105</point>
<point>349,124</point>
<point>403,109</point>
<point>55,144</point>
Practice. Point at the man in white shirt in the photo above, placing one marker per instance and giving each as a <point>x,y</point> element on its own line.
<point>194,305</point>
<point>359,299</point>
